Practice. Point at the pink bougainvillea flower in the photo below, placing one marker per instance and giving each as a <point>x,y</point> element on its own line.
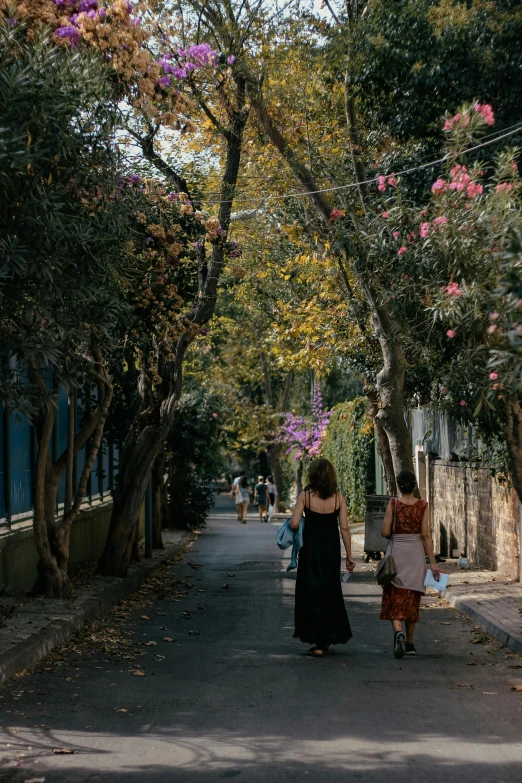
<point>440,221</point>
<point>402,250</point>
<point>424,230</point>
<point>439,185</point>
<point>463,403</point>
<point>335,214</point>
<point>385,215</point>
<point>492,329</point>
<point>395,234</point>
<point>507,186</point>
<point>486,111</point>
<point>493,316</point>
<point>451,333</point>
<point>214,415</point>
<point>474,189</point>
<point>493,376</point>
<point>453,289</point>
<point>382,183</point>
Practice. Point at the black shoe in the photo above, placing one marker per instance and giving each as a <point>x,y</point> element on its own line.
<point>399,644</point>
<point>410,649</point>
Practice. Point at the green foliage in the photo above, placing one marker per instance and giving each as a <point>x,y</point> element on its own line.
<point>194,458</point>
<point>349,447</point>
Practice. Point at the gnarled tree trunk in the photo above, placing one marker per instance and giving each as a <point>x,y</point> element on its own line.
<point>153,421</point>
<point>52,532</point>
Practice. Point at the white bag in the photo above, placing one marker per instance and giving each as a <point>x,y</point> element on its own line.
<point>270,511</point>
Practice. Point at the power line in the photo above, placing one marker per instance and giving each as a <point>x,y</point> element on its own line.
<point>376,179</point>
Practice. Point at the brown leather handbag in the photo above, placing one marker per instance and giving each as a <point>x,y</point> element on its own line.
<point>386,569</point>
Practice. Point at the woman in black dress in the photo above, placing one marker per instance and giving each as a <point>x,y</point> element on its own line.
<point>320,613</point>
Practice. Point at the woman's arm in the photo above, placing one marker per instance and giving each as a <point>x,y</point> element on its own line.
<point>298,511</point>
<point>387,522</point>
<point>346,535</point>
<point>428,543</point>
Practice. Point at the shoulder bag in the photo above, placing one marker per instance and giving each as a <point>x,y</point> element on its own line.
<point>386,569</point>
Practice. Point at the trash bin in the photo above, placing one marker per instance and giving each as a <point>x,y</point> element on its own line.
<point>374,543</point>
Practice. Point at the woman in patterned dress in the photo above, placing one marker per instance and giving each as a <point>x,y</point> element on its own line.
<point>408,518</point>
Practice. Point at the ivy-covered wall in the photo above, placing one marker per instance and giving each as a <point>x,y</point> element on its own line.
<point>349,447</point>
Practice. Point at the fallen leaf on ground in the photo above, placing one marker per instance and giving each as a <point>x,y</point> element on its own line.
<point>473,663</point>
<point>151,644</point>
<point>230,574</point>
<point>444,623</point>
<point>68,679</point>
<point>48,670</point>
<point>517,688</point>
<point>489,693</point>
<point>186,612</point>
<point>35,780</point>
<point>194,633</point>
<point>464,685</point>
<point>168,639</point>
<point>138,673</point>
<point>225,586</point>
<point>144,617</point>
<point>122,710</point>
<point>515,666</point>
<point>63,751</point>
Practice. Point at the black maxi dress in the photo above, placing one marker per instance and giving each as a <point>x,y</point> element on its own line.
<point>320,613</point>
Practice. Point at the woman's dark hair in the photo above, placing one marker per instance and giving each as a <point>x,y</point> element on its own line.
<point>243,482</point>
<point>270,479</point>
<point>406,482</point>
<point>322,479</point>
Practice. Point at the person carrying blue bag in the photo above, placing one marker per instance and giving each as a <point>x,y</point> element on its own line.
<point>320,613</point>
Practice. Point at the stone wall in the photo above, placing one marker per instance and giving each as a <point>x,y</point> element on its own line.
<point>18,556</point>
<point>474,513</point>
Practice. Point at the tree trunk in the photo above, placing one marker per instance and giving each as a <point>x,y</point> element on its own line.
<point>52,534</point>
<point>514,443</point>
<point>158,499</point>
<point>299,478</point>
<point>153,421</point>
<point>383,445</point>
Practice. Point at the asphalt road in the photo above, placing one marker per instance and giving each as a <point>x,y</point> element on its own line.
<point>240,699</point>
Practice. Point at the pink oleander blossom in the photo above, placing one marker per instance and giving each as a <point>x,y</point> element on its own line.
<point>492,329</point>
<point>439,185</point>
<point>453,289</point>
<point>335,214</point>
<point>459,178</point>
<point>493,376</point>
<point>382,183</point>
<point>385,215</point>
<point>451,333</point>
<point>395,234</point>
<point>463,403</point>
<point>494,316</point>
<point>402,250</point>
<point>440,221</point>
<point>474,189</point>
<point>486,111</point>
<point>424,230</point>
<point>504,186</point>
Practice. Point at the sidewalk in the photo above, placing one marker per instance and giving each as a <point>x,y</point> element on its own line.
<point>484,596</point>
<point>39,625</point>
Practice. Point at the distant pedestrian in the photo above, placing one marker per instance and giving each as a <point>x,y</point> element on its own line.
<point>272,491</point>
<point>236,494</point>
<point>244,494</point>
<point>407,523</point>
<point>320,613</point>
<point>261,498</point>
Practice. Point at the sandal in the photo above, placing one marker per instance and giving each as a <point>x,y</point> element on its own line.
<point>317,652</point>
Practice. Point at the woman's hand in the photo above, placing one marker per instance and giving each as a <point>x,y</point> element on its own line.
<point>435,570</point>
<point>350,564</point>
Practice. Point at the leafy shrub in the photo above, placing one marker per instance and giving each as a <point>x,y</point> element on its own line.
<point>349,447</point>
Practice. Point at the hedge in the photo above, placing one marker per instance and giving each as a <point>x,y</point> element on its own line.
<point>349,447</point>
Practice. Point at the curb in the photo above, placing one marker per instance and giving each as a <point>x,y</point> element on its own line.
<point>30,651</point>
<point>495,629</point>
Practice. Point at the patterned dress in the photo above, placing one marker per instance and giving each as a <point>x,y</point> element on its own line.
<point>399,603</point>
